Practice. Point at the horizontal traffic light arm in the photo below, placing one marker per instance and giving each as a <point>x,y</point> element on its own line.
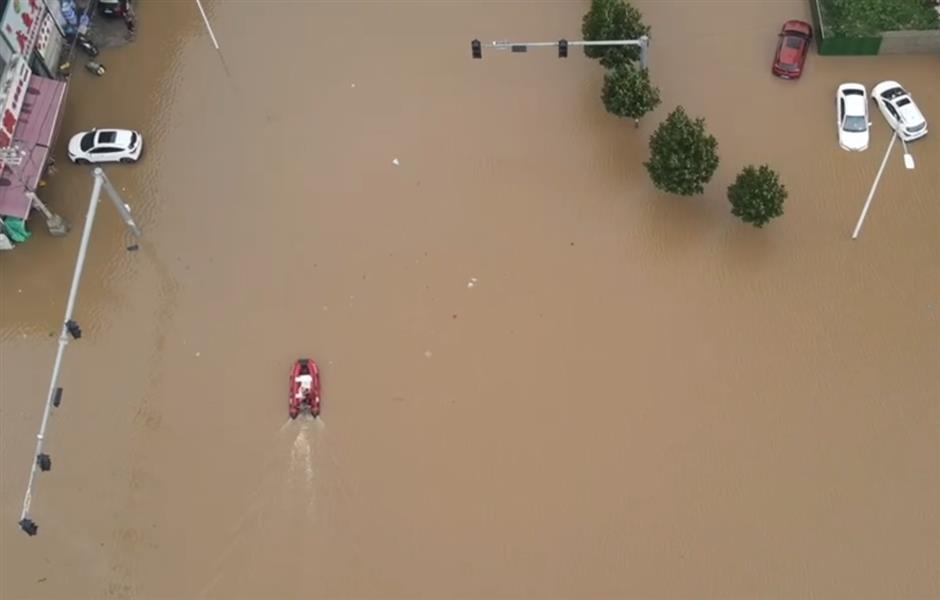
<point>476,46</point>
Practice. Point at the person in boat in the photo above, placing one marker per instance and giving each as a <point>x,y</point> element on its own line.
<point>303,390</point>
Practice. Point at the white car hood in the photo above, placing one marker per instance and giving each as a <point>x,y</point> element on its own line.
<point>75,144</point>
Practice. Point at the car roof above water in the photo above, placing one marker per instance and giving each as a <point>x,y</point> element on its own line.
<point>909,112</point>
<point>114,136</point>
<point>855,104</point>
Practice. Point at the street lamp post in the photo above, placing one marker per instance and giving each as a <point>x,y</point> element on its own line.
<point>908,164</point>
<point>205,20</point>
<point>42,461</point>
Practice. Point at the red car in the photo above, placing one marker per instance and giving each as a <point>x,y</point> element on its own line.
<point>792,46</point>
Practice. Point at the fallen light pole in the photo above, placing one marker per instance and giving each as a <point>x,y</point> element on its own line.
<point>205,19</point>
<point>42,461</point>
<point>643,43</point>
<point>908,164</point>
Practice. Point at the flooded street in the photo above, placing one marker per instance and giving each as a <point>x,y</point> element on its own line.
<point>639,396</point>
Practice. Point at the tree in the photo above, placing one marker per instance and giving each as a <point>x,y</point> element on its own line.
<point>757,195</point>
<point>613,20</point>
<point>683,156</point>
<point>628,92</point>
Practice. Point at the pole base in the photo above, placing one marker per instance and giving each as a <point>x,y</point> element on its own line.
<point>57,226</point>
<point>29,527</point>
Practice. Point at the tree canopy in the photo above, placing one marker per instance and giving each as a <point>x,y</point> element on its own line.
<point>613,20</point>
<point>628,92</point>
<point>757,195</point>
<point>683,155</point>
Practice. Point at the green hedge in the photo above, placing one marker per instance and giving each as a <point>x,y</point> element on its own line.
<point>868,18</point>
<point>837,45</point>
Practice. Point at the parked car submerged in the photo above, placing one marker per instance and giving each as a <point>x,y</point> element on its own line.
<point>899,110</point>
<point>852,117</point>
<point>110,8</point>
<point>105,145</point>
<point>792,47</point>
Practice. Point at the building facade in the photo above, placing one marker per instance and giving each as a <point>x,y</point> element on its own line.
<point>32,98</point>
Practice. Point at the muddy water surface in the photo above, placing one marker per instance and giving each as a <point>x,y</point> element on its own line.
<point>637,397</point>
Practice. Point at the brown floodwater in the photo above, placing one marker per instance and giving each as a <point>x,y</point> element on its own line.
<point>639,396</point>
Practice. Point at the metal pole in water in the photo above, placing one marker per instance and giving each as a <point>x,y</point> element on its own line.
<point>208,26</point>
<point>476,47</point>
<point>42,462</point>
<point>123,209</point>
<point>645,52</point>
<point>874,186</point>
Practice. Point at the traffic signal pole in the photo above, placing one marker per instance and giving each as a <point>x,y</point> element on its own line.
<point>643,43</point>
<point>42,461</point>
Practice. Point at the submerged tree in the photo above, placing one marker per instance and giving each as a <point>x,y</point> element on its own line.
<point>613,20</point>
<point>628,92</point>
<point>683,156</point>
<point>757,195</point>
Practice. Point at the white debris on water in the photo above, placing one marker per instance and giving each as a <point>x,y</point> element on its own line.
<point>353,85</point>
<point>198,354</point>
<point>472,282</point>
<point>395,162</point>
<point>427,354</point>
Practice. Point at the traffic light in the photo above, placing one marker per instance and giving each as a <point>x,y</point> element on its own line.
<point>29,526</point>
<point>45,463</point>
<point>73,328</point>
<point>476,49</point>
<point>562,48</point>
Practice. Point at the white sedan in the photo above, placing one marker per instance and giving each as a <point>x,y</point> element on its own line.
<point>105,145</point>
<point>899,110</point>
<point>852,116</point>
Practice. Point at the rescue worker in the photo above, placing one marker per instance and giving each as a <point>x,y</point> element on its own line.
<point>306,382</point>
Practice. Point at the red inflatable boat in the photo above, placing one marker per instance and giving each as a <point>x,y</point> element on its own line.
<point>304,388</point>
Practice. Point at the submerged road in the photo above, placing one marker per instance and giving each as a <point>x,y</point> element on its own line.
<point>638,396</point>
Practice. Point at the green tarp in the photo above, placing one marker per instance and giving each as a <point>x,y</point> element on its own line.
<point>16,230</point>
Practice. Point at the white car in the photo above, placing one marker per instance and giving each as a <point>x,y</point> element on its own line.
<point>899,110</point>
<point>105,145</point>
<point>852,116</point>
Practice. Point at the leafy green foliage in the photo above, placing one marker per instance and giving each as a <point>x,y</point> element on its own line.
<point>628,92</point>
<point>865,18</point>
<point>683,156</point>
<point>757,195</point>
<point>613,20</point>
